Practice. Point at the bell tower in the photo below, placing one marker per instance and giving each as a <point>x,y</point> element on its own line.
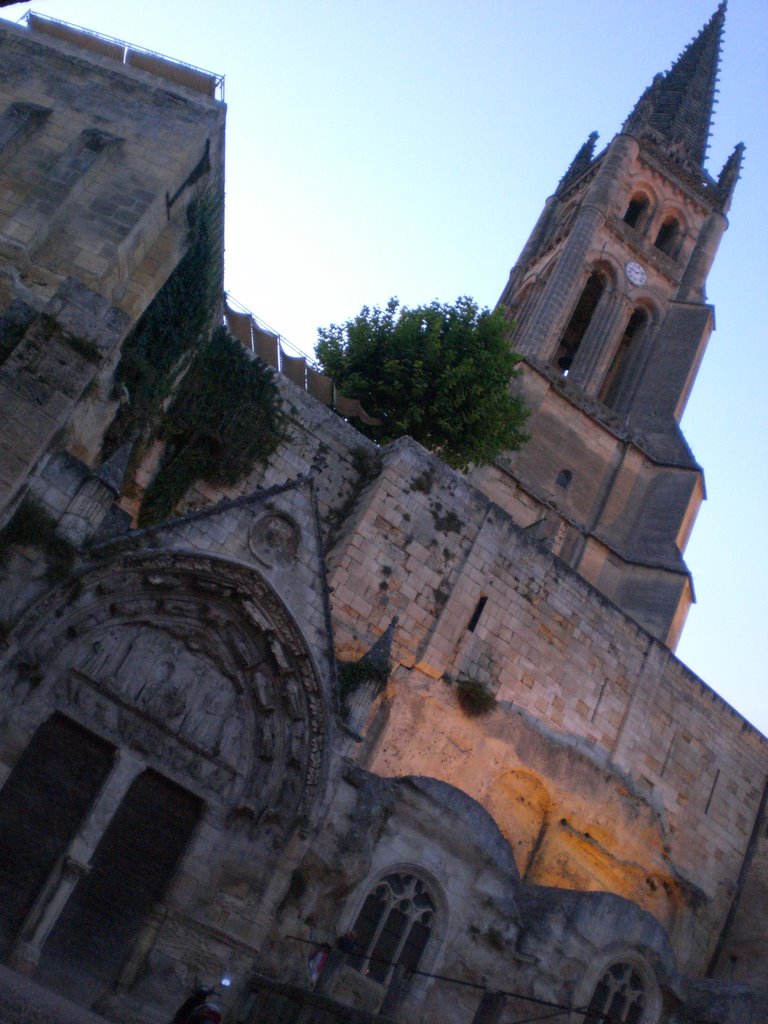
<point>608,306</point>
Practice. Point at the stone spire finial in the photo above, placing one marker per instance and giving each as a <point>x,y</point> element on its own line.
<point>676,109</point>
<point>112,470</point>
<point>729,175</point>
<point>380,655</point>
<point>361,681</point>
<point>580,163</point>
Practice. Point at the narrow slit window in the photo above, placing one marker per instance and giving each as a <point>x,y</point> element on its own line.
<point>472,625</point>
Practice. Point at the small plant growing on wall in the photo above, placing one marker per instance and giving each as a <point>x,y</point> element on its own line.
<point>475,698</point>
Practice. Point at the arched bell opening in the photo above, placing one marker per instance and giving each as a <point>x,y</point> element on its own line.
<point>669,235</point>
<point>580,320</point>
<point>637,212</point>
<point>614,387</point>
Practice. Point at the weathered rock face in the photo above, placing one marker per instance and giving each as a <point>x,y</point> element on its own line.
<point>601,761</point>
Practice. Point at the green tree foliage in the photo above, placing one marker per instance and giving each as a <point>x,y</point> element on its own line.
<point>439,373</point>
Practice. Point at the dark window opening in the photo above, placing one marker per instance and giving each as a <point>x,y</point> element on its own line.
<point>131,869</point>
<point>42,804</point>
<point>471,626</point>
<point>620,994</point>
<point>393,927</point>
<point>579,322</point>
<point>636,210</point>
<point>564,478</point>
<point>669,232</point>
<point>617,371</point>
<point>390,940</point>
<point>373,910</point>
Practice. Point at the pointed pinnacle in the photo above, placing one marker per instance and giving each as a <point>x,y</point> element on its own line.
<point>580,163</point>
<point>380,654</point>
<point>726,182</point>
<point>112,472</point>
<point>676,110</point>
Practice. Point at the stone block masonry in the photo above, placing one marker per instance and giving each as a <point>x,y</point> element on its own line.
<point>629,746</point>
<point>656,779</point>
<point>176,745</point>
<point>88,233</point>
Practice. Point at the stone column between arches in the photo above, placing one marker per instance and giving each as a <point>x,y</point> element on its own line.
<point>600,340</point>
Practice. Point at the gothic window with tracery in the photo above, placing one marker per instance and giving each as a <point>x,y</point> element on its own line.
<point>393,927</point>
<point>620,995</point>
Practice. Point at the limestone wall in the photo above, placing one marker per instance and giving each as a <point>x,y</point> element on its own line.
<point>98,163</point>
<point>607,763</point>
<point>640,779</point>
<point>617,515</point>
<point>91,176</point>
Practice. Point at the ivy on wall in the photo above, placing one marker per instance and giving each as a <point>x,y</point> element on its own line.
<point>177,322</point>
<point>224,418</point>
<point>224,412</point>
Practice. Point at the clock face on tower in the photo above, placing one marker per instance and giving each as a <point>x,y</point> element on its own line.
<point>635,273</point>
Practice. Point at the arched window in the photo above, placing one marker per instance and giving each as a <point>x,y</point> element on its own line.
<point>615,377</point>
<point>564,478</point>
<point>581,318</point>
<point>393,927</point>
<point>621,994</point>
<point>636,211</point>
<point>668,235</point>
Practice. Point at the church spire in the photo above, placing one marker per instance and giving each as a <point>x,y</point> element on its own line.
<point>676,109</point>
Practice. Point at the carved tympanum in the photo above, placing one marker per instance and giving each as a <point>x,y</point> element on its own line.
<point>192,662</point>
<point>181,689</point>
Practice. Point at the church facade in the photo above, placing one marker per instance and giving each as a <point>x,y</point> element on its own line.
<point>372,739</point>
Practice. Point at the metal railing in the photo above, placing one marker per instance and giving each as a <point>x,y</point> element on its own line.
<point>181,73</point>
<point>274,1002</point>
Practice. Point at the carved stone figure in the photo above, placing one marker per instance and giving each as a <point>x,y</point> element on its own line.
<point>274,539</point>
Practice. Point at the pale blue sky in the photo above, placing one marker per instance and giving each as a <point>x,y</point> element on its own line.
<point>405,148</point>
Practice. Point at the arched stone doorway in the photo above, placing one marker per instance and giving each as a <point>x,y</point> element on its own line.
<point>189,694</point>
